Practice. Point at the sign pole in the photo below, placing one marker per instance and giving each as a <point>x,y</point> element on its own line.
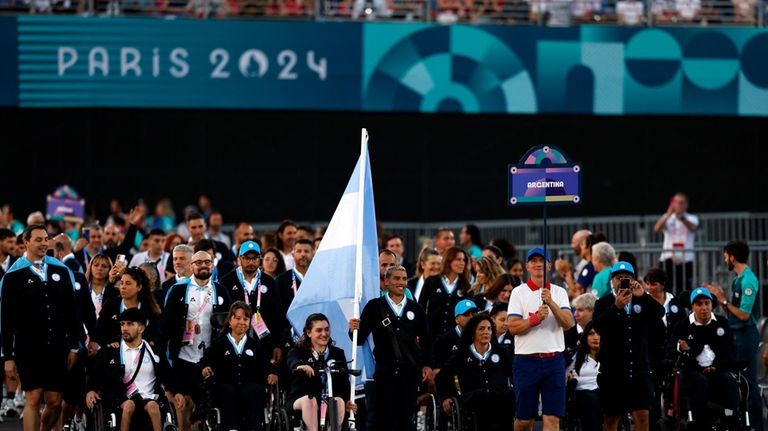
<point>544,239</point>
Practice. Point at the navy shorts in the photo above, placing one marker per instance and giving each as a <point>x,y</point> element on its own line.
<point>536,376</point>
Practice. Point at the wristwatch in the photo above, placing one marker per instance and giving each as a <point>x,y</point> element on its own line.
<point>725,303</point>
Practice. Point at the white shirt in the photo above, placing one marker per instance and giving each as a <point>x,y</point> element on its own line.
<point>6,263</point>
<point>419,286</point>
<point>397,308</point>
<point>145,380</point>
<point>449,287</point>
<point>197,298</point>
<point>289,262</point>
<point>547,337</point>
<point>677,235</point>
<point>587,377</point>
<point>143,257</point>
<point>249,286</point>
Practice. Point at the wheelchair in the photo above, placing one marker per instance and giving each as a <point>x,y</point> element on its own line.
<point>275,416</point>
<point>208,416</point>
<point>428,414</point>
<point>103,418</point>
<point>677,414</point>
<point>460,419</point>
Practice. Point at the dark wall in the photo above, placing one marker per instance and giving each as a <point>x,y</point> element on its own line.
<point>265,166</point>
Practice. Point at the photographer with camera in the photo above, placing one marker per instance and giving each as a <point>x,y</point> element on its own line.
<point>623,320</point>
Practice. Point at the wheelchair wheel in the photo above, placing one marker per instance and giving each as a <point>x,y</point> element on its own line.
<point>455,419</point>
<point>432,418</point>
<point>96,418</point>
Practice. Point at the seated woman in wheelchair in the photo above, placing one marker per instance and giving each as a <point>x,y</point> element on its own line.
<point>582,376</point>
<point>479,375</point>
<point>241,369</point>
<point>308,384</point>
<point>131,376</point>
<point>703,345</point>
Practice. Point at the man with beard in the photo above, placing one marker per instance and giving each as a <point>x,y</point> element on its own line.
<point>288,283</point>
<point>249,284</point>
<point>182,266</point>
<point>132,361</point>
<point>41,330</point>
<point>188,328</point>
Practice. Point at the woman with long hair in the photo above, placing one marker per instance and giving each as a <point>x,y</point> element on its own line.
<point>479,374</point>
<point>134,293</point>
<point>241,369</point>
<point>315,348</point>
<point>272,262</point>
<point>429,263</point>
<point>442,292</point>
<point>585,370</point>
<point>486,272</point>
<point>498,292</point>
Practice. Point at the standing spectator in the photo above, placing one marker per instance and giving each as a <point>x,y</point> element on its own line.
<point>286,239</point>
<point>272,263</point>
<point>603,257</point>
<point>182,266</point>
<point>498,291</point>
<point>7,246</point>
<point>94,245</point>
<point>742,320</point>
<point>444,239</point>
<point>187,327</point>
<point>403,343</point>
<point>486,272</point>
<point>197,231</point>
<point>579,280</point>
<point>164,217</point>
<point>215,221</point>
<point>623,320</point>
<point>395,244</point>
<point>305,232</point>
<point>40,329</point>
<point>679,229</point>
<point>494,252</point>
<point>442,292</point>
<point>517,269</point>
<point>584,308</point>
<point>244,232</point>
<point>429,263</point>
<point>10,220</point>
<point>470,241</point>
<point>537,316</point>
<point>154,254</point>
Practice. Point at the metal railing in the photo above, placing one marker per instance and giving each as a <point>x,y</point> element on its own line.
<point>536,12</point>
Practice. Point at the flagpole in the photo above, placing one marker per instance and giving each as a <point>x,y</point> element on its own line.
<point>358,260</point>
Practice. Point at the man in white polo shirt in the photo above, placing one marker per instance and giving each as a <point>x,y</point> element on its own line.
<point>537,318</point>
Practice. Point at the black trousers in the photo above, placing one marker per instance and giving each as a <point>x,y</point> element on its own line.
<point>493,411</point>
<point>395,401</point>
<point>719,387</point>
<point>590,413</point>
<point>241,406</point>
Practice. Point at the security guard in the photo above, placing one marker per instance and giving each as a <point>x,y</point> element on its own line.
<point>402,352</point>
<point>741,318</point>
<point>623,319</point>
<point>704,344</point>
<point>250,284</point>
<point>241,369</point>
<point>41,329</point>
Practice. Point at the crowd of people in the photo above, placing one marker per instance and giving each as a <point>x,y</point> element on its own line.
<point>134,314</point>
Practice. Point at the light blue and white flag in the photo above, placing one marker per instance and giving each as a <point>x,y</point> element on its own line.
<point>346,264</point>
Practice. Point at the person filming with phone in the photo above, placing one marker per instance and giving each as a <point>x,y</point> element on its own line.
<point>623,320</point>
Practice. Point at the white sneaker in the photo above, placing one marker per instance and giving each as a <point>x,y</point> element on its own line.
<point>20,399</point>
<point>8,409</point>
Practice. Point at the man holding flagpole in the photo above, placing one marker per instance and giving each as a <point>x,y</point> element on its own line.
<point>403,351</point>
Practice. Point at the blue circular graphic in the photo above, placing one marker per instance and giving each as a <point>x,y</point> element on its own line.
<point>711,60</point>
<point>652,57</point>
<point>754,60</point>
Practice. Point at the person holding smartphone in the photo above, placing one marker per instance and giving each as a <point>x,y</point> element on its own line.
<point>623,320</point>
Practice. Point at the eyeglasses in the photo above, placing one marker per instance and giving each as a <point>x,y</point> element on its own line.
<point>202,262</point>
<point>250,257</point>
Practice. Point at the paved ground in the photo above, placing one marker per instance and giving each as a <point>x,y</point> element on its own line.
<point>11,424</point>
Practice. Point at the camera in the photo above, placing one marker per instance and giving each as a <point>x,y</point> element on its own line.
<point>624,284</point>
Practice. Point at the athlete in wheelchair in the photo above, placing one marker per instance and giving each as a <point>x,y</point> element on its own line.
<point>702,347</point>
<point>240,366</point>
<point>131,379</point>
<point>474,384</point>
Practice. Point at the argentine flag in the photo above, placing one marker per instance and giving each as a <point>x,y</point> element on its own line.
<point>347,259</point>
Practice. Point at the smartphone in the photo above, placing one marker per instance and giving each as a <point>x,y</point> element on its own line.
<point>624,284</point>
<point>87,233</point>
<point>121,258</point>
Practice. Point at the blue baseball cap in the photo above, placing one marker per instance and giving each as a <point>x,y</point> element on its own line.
<point>248,247</point>
<point>622,266</point>
<point>463,306</point>
<point>700,291</point>
<point>536,251</point>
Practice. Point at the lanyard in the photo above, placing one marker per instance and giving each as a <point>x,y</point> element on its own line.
<point>293,281</point>
<point>246,294</point>
<point>205,301</point>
